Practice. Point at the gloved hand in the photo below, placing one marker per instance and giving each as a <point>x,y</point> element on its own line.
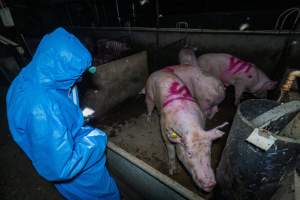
<point>88,114</point>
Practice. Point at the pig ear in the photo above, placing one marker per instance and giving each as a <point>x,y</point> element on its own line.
<point>215,133</point>
<point>174,136</point>
<point>270,85</point>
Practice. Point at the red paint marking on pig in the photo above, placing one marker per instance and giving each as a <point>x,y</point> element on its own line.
<point>235,66</point>
<point>178,93</point>
<point>249,67</point>
<point>168,69</point>
<point>241,67</point>
<point>233,63</point>
<point>168,101</point>
<point>183,90</point>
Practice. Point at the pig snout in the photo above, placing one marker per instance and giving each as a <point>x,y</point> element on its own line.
<point>206,181</point>
<point>198,163</point>
<point>201,170</point>
<point>209,186</point>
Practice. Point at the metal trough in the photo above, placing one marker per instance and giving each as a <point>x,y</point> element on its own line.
<point>144,181</point>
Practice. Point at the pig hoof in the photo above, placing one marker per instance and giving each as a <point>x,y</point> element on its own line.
<point>148,118</point>
<point>171,172</point>
<point>174,170</point>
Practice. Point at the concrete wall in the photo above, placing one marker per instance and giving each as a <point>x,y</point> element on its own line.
<point>116,81</point>
<point>264,48</point>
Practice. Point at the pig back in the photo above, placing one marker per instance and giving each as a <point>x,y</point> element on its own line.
<point>214,63</point>
<point>162,86</point>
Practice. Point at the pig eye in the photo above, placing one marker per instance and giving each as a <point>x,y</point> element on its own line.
<point>189,154</point>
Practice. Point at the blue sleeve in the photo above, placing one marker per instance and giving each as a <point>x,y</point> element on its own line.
<point>59,152</point>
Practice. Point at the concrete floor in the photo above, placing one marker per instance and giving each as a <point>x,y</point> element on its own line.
<point>126,124</point>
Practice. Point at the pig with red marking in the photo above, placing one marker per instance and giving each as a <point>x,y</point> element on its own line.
<point>244,76</point>
<point>182,123</point>
<point>208,91</point>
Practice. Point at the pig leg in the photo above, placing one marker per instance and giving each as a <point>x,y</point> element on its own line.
<point>150,107</point>
<point>239,88</point>
<point>170,148</point>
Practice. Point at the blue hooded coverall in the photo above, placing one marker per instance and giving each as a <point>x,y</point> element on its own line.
<point>49,127</point>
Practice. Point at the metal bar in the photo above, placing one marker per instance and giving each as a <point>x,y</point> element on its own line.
<point>157,22</point>
<point>297,185</point>
<point>8,41</point>
<point>118,14</point>
<point>133,13</point>
<point>26,45</point>
<point>153,172</point>
<point>208,31</point>
<point>157,33</point>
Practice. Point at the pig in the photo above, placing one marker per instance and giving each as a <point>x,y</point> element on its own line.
<point>182,123</point>
<point>208,91</point>
<point>187,56</point>
<point>244,76</point>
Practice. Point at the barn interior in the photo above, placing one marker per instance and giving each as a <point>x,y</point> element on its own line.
<point>131,39</point>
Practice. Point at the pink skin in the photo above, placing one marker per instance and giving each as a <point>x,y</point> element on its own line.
<point>208,91</point>
<point>242,75</point>
<point>187,56</point>
<point>195,151</point>
<point>177,93</point>
<point>180,113</point>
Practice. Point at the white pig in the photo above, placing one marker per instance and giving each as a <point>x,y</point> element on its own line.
<point>208,91</point>
<point>244,76</point>
<point>182,125</point>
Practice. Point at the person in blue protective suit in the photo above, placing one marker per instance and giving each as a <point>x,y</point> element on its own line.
<point>49,126</point>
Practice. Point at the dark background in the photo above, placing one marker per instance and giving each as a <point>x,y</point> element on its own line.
<point>37,17</point>
<point>34,18</point>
